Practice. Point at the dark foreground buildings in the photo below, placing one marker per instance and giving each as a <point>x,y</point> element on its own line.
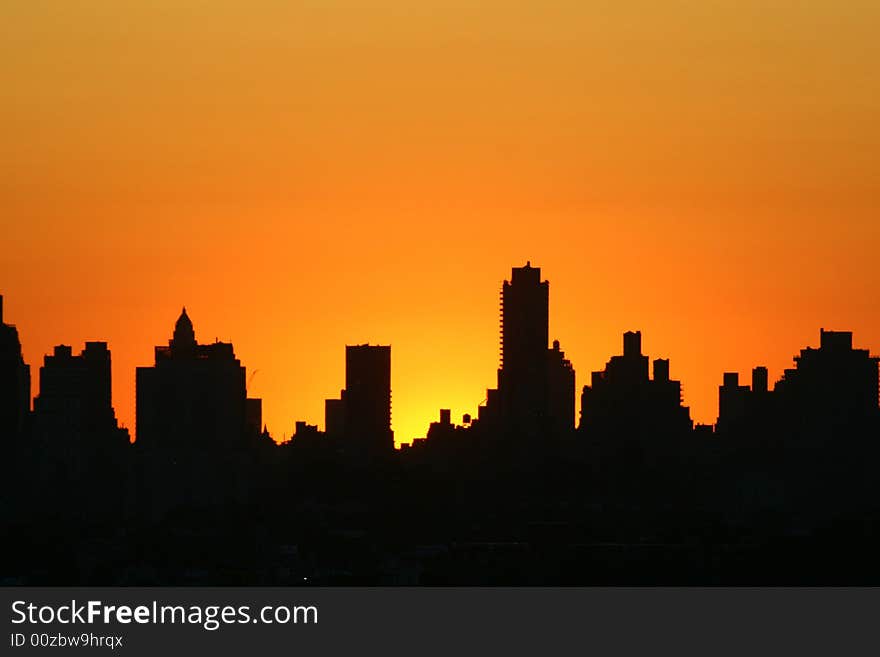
<point>783,490</point>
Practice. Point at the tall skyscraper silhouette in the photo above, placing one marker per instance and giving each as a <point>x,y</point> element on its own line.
<point>194,394</point>
<point>367,398</point>
<point>535,384</point>
<point>525,321</point>
<point>15,384</point>
<point>560,390</point>
<point>74,409</point>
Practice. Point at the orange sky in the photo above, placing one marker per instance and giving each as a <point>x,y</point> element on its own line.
<point>306,175</point>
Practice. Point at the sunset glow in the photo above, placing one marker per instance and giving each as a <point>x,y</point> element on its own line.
<point>302,176</point>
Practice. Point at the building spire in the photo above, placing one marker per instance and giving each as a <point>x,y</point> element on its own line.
<point>184,334</point>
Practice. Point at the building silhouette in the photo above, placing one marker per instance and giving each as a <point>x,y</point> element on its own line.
<point>831,391</point>
<point>15,385</point>
<point>782,490</point>
<point>522,376</point>
<point>440,431</point>
<point>78,446</point>
<point>197,434</point>
<point>832,386</point>
<point>359,421</point>
<point>631,414</point>
<point>253,417</point>
<point>334,416</point>
<point>744,409</point>
<point>535,395</point>
<point>367,399</point>
<point>194,395</point>
<point>74,409</point>
<point>560,391</point>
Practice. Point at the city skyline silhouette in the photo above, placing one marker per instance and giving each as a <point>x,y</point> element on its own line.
<point>605,273</point>
<point>302,179</point>
<point>418,422</point>
<point>531,488</point>
<point>287,429</point>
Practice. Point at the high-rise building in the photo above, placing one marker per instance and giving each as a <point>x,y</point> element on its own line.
<point>74,407</point>
<point>15,384</point>
<point>535,394</point>
<point>831,392</point>
<point>334,416</point>
<point>522,377</point>
<point>193,395</point>
<point>832,385</point>
<point>367,398</point>
<point>254,417</point>
<point>743,409</point>
<point>560,390</point>
<point>624,399</point>
<point>734,403</point>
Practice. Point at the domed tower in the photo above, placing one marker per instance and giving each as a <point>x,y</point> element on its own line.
<point>184,338</point>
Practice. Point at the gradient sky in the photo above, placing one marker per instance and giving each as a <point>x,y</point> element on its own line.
<point>302,175</point>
